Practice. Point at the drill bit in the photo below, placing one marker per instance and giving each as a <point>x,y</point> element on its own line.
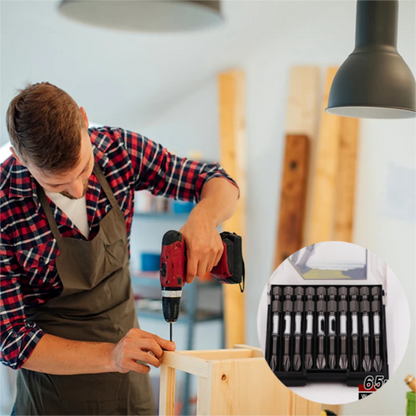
<point>343,309</point>
<point>288,308</point>
<point>365,309</point>
<point>276,309</point>
<point>375,307</point>
<point>354,308</point>
<point>310,309</point>
<point>321,309</point>
<point>298,327</point>
<point>332,309</point>
<point>171,331</point>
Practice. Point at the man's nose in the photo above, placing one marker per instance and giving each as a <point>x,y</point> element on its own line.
<point>77,189</point>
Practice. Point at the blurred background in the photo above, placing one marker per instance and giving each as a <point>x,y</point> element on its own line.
<point>165,86</point>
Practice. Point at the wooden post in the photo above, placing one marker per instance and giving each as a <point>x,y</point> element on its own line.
<point>167,391</point>
<point>325,179</point>
<point>301,121</point>
<point>333,187</point>
<point>347,166</point>
<point>233,160</point>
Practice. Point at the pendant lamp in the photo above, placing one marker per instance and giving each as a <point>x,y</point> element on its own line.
<point>145,15</point>
<point>374,81</point>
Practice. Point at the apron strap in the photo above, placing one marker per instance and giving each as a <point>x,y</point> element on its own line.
<point>48,212</point>
<point>104,184</point>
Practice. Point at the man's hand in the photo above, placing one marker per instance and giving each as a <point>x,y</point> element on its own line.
<point>204,246</point>
<point>142,346</point>
<point>203,243</point>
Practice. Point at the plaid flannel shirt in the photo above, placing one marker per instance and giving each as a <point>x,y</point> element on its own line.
<point>28,250</point>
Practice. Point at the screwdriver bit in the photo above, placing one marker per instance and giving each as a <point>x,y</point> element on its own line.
<point>376,293</point>
<point>287,308</point>
<point>365,309</point>
<point>321,309</point>
<point>343,309</point>
<point>332,309</point>
<point>364,293</point>
<point>298,327</point>
<point>354,308</point>
<point>375,307</point>
<point>276,309</point>
<point>310,309</point>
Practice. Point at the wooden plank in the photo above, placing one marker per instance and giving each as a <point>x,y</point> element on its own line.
<point>233,160</point>
<point>167,391</point>
<point>300,406</point>
<point>185,362</point>
<point>325,179</point>
<point>248,387</point>
<point>218,354</point>
<point>256,351</point>
<point>204,395</point>
<point>347,166</point>
<point>302,103</point>
<point>292,200</point>
<point>336,408</point>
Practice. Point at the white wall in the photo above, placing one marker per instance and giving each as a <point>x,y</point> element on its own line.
<point>323,36</point>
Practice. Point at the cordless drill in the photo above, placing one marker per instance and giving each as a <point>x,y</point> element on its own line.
<point>230,269</point>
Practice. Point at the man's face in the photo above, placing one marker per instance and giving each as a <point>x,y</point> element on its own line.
<point>74,183</point>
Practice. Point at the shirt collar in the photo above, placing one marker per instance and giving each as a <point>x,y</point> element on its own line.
<point>23,184</point>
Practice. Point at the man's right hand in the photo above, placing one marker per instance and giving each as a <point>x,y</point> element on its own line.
<point>138,345</point>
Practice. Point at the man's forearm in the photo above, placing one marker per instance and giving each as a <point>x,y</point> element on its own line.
<point>134,352</point>
<point>218,200</point>
<point>54,355</point>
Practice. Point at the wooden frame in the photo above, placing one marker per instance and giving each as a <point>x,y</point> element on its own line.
<point>230,382</point>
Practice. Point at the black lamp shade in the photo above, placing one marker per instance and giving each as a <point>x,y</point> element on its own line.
<point>374,81</point>
<point>145,15</point>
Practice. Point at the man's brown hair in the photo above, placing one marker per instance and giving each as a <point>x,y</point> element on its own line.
<point>44,124</point>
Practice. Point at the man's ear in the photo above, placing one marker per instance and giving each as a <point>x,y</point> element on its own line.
<point>17,157</point>
<point>84,114</point>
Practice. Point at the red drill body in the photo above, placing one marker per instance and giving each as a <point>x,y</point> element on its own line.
<point>172,274</point>
<point>230,269</point>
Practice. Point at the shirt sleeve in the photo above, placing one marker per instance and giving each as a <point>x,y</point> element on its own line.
<point>18,337</point>
<point>165,174</point>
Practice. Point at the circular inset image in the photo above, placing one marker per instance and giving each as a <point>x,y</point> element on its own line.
<point>333,322</point>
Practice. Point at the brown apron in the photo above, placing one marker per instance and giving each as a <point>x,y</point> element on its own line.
<point>96,305</point>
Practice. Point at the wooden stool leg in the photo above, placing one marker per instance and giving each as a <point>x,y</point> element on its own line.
<point>167,391</point>
<point>203,407</point>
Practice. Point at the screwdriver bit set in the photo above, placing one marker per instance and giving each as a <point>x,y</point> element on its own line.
<point>326,333</point>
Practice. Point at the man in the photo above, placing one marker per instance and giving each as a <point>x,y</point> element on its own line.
<point>67,201</point>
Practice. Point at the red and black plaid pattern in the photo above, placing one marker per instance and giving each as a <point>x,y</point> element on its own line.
<point>130,163</point>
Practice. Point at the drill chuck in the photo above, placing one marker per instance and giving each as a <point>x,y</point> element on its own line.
<point>171,304</point>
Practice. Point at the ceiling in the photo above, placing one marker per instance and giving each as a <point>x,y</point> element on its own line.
<point>125,78</point>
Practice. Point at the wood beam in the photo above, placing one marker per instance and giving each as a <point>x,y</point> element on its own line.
<point>233,160</point>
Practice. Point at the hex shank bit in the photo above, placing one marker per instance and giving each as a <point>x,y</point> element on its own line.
<point>321,309</point>
<point>343,309</point>
<point>298,327</point>
<point>287,308</point>
<point>354,308</point>
<point>332,310</point>
<point>276,309</point>
<point>376,309</point>
<point>310,309</point>
<point>365,309</point>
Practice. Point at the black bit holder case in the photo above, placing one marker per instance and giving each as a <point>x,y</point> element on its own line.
<point>303,376</point>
